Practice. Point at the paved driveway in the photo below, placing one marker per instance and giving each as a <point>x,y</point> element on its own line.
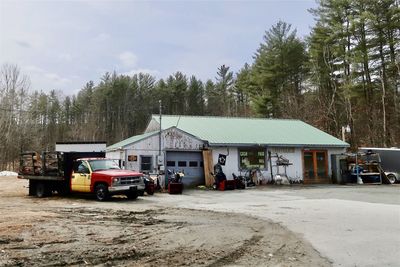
<point>350,225</point>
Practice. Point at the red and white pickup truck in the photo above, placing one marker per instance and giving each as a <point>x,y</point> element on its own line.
<point>83,172</point>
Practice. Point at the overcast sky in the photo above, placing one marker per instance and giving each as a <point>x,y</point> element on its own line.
<point>63,44</point>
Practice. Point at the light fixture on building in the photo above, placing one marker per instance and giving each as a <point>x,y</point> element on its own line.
<point>345,129</point>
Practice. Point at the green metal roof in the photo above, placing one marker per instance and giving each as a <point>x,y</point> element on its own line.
<point>250,131</point>
<point>130,140</point>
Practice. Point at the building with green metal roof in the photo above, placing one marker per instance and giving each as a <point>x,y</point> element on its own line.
<point>244,143</point>
<point>232,131</point>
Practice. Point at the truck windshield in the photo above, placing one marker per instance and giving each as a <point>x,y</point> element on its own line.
<point>103,164</point>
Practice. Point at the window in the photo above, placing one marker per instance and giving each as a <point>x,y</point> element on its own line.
<point>81,167</point>
<point>170,163</point>
<point>103,164</point>
<point>252,158</point>
<point>193,164</point>
<point>181,163</point>
<point>145,163</point>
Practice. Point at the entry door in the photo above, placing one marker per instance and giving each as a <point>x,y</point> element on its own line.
<point>315,164</point>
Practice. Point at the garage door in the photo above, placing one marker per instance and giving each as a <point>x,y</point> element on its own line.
<point>191,163</point>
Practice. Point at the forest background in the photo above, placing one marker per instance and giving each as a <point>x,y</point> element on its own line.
<point>346,72</point>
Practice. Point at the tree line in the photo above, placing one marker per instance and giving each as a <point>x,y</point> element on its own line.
<point>346,72</point>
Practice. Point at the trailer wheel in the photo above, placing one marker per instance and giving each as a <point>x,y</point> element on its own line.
<point>41,190</point>
<point>101,192</point>
<point>392,178</point>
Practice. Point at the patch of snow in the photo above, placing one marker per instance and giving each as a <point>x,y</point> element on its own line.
<point>8,173</point>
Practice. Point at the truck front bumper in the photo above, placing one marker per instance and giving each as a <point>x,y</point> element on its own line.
<point>125,188</point>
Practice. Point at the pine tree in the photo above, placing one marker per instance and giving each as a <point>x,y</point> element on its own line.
<point>278,73</point>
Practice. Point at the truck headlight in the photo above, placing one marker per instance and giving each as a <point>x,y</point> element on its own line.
<point>115,180</point>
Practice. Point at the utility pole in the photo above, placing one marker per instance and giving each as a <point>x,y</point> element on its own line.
<point>159,135</point>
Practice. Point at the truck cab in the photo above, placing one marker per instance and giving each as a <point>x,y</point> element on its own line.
<point>104,178</point>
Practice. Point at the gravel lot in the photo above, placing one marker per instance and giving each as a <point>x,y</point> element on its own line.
<point>357,225</point>
<point>266,226</point>
<point>151,231</point>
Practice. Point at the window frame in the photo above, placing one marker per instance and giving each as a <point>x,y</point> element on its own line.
<point>257,149</point>
<point>141,163</point>
<point>169,165</point>
<point>181,161</point>
<point>192,161</point>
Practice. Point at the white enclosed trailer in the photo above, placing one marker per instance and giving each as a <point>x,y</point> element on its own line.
<point>81,146</point>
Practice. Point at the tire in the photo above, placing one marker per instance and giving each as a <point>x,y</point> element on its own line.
<point>101,192</point>
<point>392,178</point>
<point>32,188</point>
<point>133,195</point>
<point>42,190</point>
<point>150,192</point>
<point>63,189</point>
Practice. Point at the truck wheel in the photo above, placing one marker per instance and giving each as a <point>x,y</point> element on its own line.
<point>32,188</point>
<point>101,192</point>
<point>133,195</point>
<point>41,190</point>
<point>63,189</point>
<point>392,178</point>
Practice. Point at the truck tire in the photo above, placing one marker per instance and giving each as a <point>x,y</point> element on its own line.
<point>132,195</point>
<point>42,190</point>
<point>62,188</point>
<point>101,192</point>
<point>32,188</point>
<point>392,178</point>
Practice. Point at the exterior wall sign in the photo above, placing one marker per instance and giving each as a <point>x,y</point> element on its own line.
<point>132,158</point>
<point>174,139</point>
<point>222,159</point>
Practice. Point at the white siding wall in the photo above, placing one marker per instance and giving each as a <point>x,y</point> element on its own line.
<point>294,155</point>
<point>232,160</point>
<point>115,155</point>
<point>172,139</point>
<point>333,151</point>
